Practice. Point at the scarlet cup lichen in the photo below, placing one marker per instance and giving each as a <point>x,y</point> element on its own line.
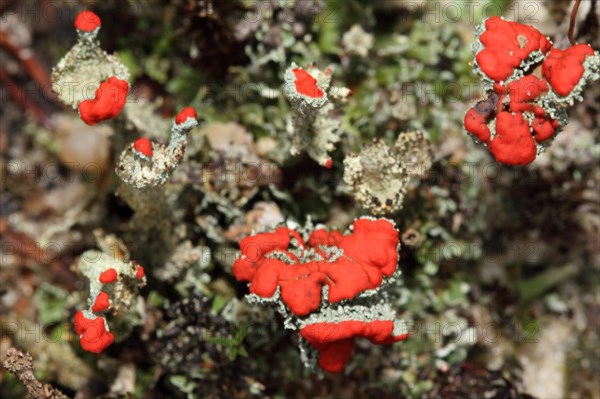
<point>87,21</point>
<point>513,143</point>
<point>318,283</point>
<point>346,264</point>
<point>186,113</point>
<point>142,147</point>
<point>524,110</point>
<point>109,276</point>
<point>140,273</point>
<point>113,284</point>
<point>87,64</point>
<point>101,303</point>
<point>313,127</point>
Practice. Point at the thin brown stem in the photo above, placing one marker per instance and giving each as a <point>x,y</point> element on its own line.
<point>20,364</point>
<point>572,21</point>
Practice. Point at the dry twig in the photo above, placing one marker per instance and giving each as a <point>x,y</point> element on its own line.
<point>20,364</point>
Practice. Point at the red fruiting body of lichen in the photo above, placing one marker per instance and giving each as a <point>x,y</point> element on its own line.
<point>87,21</point>
<point>93,335</point>
<point>507,44</point>
<point>563,69</point>
<point>108,276</point>
<point>369,254</point>
<point>525,90</point>
<point>538,111</point>
<point>306,84</point>
<point>143,147</point>
<point>108,102</point>
<point>477,118</point>
<point>544,128</point>
<point>526,119</point>
<point>476,124</point>
<point>513,143</point>
<point>335,341</point>
<point>139,272</point>
<point>254,249</point>
<point>101,303</point>
<point>185,113</point>
<point>328,163</point>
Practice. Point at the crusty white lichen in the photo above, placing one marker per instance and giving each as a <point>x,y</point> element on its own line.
<point>379,176</point>
<point>313,127</point>
<point>357,42</point>
<point>414,151</point>
<point>142,116</point>
<point>79,73</point>
<point>185,257</point>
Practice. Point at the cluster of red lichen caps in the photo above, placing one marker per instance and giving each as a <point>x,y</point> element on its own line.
<point>523,123</point>
<point>347,264</point>
<point>93,335</point>
<point>369,254</point>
